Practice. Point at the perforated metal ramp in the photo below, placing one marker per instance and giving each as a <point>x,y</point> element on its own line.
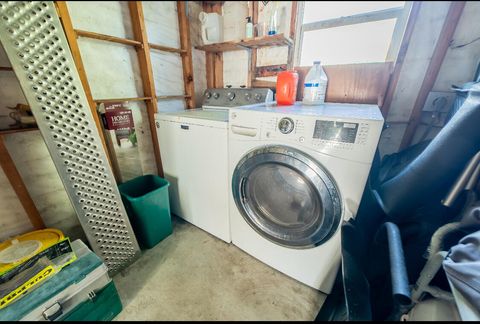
<point>33,38</point>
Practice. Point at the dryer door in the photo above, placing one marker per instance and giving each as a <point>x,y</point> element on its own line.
<point>287,196</point>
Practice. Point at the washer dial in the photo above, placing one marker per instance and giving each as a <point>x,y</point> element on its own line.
<point>286,125</point>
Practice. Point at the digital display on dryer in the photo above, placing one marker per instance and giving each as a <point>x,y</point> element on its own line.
<point>335,131</point>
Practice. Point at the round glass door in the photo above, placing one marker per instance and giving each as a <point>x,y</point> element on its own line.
<point>287,197</point>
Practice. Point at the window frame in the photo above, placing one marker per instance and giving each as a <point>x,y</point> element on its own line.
<point>401,14</point>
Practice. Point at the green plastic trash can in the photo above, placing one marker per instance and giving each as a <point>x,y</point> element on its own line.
<point>148,208</point>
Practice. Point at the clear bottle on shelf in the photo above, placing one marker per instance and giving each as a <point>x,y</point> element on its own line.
<point>315,85</point>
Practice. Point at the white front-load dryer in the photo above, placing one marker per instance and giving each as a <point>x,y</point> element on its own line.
<point>296,173</point>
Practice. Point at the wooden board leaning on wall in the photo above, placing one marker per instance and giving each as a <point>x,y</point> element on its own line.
<point>364,83</point>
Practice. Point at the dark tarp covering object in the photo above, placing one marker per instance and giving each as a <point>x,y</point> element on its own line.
<point>462,267</point>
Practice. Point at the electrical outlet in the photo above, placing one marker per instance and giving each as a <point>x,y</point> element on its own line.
<point>439,100</point>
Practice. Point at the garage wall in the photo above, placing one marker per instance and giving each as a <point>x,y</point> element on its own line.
<point>113,72</point>
<point>457,68</point>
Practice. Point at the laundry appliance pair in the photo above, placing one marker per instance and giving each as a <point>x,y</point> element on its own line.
<point>275,181</point>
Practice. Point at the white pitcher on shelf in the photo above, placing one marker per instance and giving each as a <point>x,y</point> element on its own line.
<point>212,27</point>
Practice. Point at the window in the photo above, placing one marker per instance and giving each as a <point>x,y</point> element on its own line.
<point>346,32</point>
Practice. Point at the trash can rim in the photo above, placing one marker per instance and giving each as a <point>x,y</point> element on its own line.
<point>166,185</point>
<point>145,195</point>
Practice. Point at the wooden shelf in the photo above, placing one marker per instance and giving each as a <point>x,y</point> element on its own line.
<point>108,38</point>
<point>265,41</point>
<point>17,130</point>
<point>221,47</point>
<point>97,101</point>
<point>214,2</point>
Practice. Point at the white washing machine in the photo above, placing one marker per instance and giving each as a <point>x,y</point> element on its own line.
<point>297,172</point>
<point>193,148</point>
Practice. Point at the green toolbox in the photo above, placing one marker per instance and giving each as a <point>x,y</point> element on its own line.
<point>103,307</point>
<point>148,208</point>
<point>81,291</point>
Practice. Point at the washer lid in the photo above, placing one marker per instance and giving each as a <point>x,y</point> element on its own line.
<point>197,116</point>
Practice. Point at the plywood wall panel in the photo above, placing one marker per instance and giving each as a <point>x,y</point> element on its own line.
<point>167,73</point>
<point>460,63</point>
<point>33,161</point>
<point>104,17</point>
<point>13,218</point>
<point>161,23</point>
<point>112,69</point>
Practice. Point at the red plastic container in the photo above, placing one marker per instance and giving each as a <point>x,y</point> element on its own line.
<point>287,82</point>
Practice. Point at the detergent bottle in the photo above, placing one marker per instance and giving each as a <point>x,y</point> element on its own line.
<point>315,86</point>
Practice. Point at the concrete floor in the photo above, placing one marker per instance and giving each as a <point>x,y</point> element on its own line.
<point>192,275</point>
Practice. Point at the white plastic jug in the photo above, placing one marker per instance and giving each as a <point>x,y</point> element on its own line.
<point>315,85</point>
<point>212,27</point>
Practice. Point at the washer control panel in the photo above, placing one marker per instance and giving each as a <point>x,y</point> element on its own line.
<point>236,97</point>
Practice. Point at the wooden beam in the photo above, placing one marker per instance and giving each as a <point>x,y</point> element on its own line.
<point>393,80</point>
<point>210,69</point>
<point>168,97</point>
<point>252,55</point>
<point>166,49</point>
<point>214,61</point>
<point>19,187</point>
<point>122,99</point>
<point>173,97</point>
<point>186,46</point>
<point>17,130</point>
<point>64,16</point>
<point>264,84</point>
<point>269,70</point>
<point>108,38</point>
<point>351,83</point>
<point>354,19</point>
<point>111,151</point>
<point>218,68</point>
<point>144,60</point>
<point>443,42</point>
<point>293,23</point>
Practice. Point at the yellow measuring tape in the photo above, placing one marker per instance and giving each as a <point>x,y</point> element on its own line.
<point>42,275</point>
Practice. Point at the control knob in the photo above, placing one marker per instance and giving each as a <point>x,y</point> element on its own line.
<point>285,125</point>
<point>231,95</point>
<point>258,97</point>
<point>216,95</point>
<point>208,95</point>
<point>248,96</point>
